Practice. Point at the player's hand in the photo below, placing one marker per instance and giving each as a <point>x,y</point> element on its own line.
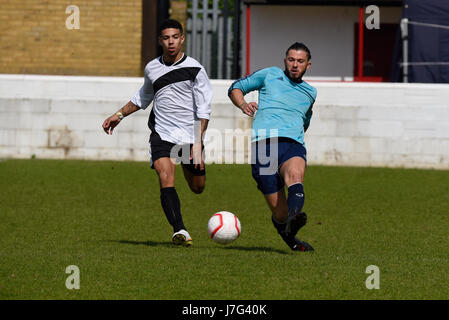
<point>110,123</point>
<point>196,153</point>
<point>249,108</point>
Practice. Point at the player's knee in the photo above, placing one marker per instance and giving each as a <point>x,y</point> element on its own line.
<point>164,177</point>
<point>294,176</point>
<point>197,184</point>
<point>197,188</point>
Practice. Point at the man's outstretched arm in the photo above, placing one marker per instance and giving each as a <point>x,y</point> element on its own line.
<point>111,122</point>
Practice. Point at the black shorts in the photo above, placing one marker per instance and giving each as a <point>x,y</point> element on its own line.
<point>160,148</point>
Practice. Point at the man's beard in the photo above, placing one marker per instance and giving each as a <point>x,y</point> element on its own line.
<point>298,79</point>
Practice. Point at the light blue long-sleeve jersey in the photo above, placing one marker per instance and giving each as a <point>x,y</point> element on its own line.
<point>284,108</point>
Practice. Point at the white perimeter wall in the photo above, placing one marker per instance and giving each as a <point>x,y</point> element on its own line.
<point>369,124</point>
<point>328,31</point>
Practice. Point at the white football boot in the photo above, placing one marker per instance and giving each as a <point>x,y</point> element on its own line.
<point>182,237</point>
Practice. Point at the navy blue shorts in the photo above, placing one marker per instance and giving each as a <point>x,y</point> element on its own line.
<point>265,166</point>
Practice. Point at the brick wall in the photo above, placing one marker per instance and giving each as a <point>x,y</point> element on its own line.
<point>34,38</point>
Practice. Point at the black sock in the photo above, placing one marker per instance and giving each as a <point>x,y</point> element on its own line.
<point>295,198</point>
<point>280,227</point>
<point>172,208</point>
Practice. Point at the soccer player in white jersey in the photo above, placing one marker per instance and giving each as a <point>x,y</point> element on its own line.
<point>181,93</point>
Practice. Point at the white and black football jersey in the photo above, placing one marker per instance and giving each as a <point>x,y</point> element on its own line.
<point>181,94</point>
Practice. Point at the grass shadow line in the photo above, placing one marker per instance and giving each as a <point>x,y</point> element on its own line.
<point>170,244</point>
<point>145,243</point>
<point>264,249</point>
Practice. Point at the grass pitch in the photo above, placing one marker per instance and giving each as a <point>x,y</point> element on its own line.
<point>106,218</point>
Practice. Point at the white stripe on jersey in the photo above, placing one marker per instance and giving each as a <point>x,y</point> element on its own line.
<point>181,93</point>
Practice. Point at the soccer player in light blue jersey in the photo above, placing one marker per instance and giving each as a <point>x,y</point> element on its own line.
<point>278,150</point>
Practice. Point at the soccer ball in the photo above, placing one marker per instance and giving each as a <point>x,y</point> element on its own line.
<point>224,227</point>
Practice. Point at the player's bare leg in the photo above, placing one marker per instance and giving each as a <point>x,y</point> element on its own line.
<point>292,171</point>
<point>196,183</point>
<point>279,208</point>
<point>165,170</point>
<point>278,205</point>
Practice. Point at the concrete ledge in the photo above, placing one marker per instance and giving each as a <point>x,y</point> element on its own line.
<point>361,124</point>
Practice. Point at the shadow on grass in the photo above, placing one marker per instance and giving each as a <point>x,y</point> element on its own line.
<point>145,243</point>
<point>170,244</point>
<point>264,249</point>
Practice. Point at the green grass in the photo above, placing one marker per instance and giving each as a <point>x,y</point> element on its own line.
<point>106,218</point>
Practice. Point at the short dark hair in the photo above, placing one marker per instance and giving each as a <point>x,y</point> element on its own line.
<point>299,46</point>
<point>169,23</point>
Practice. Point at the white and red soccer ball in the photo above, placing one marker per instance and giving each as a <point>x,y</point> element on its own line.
<point>224,227</point>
